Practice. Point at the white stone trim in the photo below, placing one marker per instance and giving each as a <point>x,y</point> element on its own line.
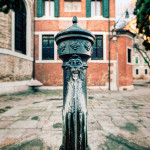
<point>47,61</point>
<point>128,47</point>
<point>70,18</point>
<point>28,29</point>
<point>13,32</point>
<point>60,61</point>
<point>13,87</point>
<point>51,88</point>
<point>102,61</point>
<point>16,54</point>
<point>40,47</point>
<point>97,87</point>
<point>125,36</point>
<point>61,88</point>
<point>128,88</point>
<point>55,32</point>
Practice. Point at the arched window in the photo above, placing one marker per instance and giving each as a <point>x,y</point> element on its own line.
<point>20,30</point>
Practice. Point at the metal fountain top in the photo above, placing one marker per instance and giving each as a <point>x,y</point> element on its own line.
<point>74,32</point>
<point>74,40</point>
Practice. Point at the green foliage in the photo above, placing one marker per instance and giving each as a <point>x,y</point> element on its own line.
<point>6,5</point>
<point>142,12</point>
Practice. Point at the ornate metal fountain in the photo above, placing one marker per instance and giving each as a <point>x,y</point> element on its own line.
<point>74,48</point>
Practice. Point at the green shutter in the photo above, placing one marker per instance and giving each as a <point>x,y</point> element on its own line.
<point>56,8</point>
<point>39,8</point>
<point>106,8</point>
<point>88,8</point>
<point>137,60</point>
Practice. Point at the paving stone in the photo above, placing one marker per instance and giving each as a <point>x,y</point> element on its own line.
<point>109,113</point>
<point>6,124</point>
<point>24,124</point>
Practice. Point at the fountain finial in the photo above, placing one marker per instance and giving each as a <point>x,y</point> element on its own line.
<point>74,20</point>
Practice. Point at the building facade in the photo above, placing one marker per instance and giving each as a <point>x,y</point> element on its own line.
<point>141,70</point>
<point>96,16</point>
<point>16,47</point>
<point>19,43</point>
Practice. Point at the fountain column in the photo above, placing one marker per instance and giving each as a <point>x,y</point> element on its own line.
<point>74,48</point>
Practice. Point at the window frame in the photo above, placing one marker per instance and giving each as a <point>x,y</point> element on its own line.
<point>129,63</point>
<point>97,48</point>
<point>137,71</point>
<point>49,9</point>
<point>104,60</point>
<point>40,34</point>
<point>28,33</point>
<point>137,59</point>
<point>21,29</point>
<point>48,46</point>
<point>101,9</point>
<point>146,71</point>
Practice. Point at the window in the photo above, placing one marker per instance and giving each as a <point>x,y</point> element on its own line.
<point>137,71</point>
<point>72,6</point>
<point>97,53</point>
<point>48,8</point>
<point>96,8</point>
<point>47,47</point>
<point>136,60</point>
<point>145,71</point>
<point>129,55</point>
<point>20,30</point>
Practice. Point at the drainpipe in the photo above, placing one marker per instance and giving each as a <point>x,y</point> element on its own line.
<point>117,70</point>
<point>109,54</point>
<point>33,72</point>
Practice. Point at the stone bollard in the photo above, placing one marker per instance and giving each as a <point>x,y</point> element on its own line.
<point>74,48</point>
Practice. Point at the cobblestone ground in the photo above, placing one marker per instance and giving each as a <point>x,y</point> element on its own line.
<point>116,120</point>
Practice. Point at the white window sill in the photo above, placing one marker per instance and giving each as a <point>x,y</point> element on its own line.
<point>48,61</point>
<point>129,63</point>
<point>16,54</point>
<point>70,18</point>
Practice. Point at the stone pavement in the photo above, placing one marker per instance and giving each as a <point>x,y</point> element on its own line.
<point>116,120</point>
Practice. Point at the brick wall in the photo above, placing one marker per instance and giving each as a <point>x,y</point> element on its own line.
<point>51,73</point>
<point>125,69</point>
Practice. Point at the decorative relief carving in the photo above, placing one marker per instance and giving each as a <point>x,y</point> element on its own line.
<point>87,46</point>
<point>75,45</point>
<point>75,68</point>
<point>62,47</point>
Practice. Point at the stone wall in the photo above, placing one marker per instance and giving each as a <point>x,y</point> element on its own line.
<point>13,65</point>
<point>14,68</point>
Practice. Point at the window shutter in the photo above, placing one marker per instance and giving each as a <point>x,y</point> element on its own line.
<point>88,8</point>
<point>39,8</point>
<point>56,5</point>
<point>106,8</point>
